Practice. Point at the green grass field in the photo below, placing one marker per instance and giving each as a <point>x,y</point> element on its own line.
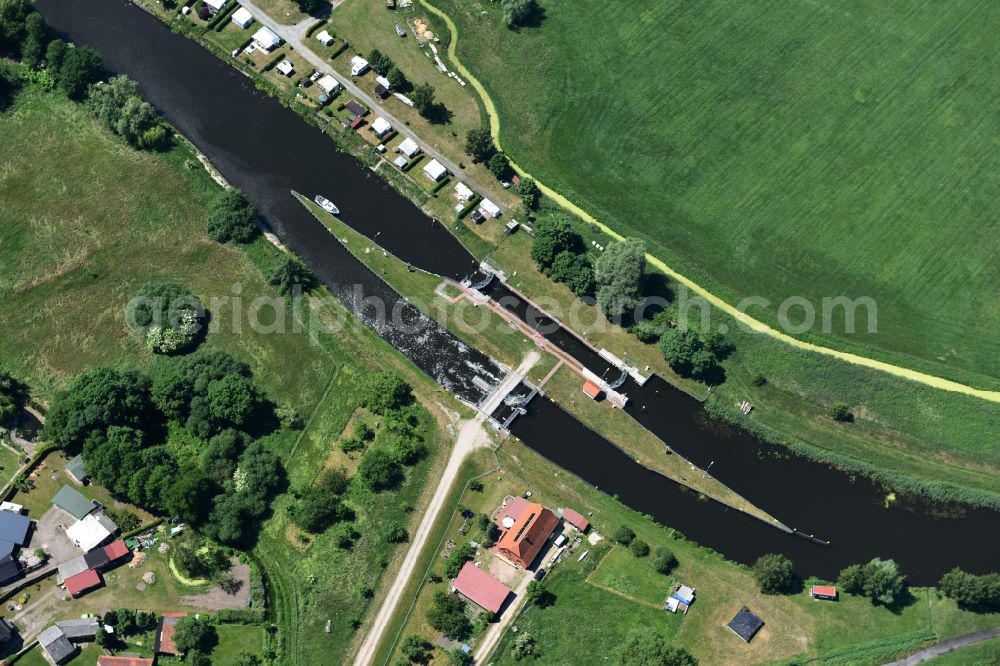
<point>802,148</point>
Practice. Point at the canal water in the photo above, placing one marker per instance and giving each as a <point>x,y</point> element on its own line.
<point>266,151</point>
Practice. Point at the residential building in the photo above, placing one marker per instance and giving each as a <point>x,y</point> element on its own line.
<point>285,68</point>
<point>328,84</point>
<point>381,127</point>
<point>356,108</point>
<point>243,18</point>
<point>55,645</point>
<point>266,39</point>
<point>92,531</point>
<point>9,568</point>
<point>463,193</point>
<point>745,624</point>
<point>358,66</point>
<point>575,519</point>
<point>83,582</point>
<point>105,660</point>
<point>164,642</point>
<point>489,208</point>
<point>409,148</point>
<point>82,629</point>
<point>214,5</point>
<point>325,38</point>
<point>435,170</point>
<point>524,539</point>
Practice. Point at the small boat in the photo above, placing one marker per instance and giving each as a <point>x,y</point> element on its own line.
<point>326,205</point>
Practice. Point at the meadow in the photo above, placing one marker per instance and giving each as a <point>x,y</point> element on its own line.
<point>800,148</point>
<point>81,234</point>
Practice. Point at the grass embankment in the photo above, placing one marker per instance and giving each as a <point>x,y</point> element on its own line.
<point>796,626</point>
<point>81,234</point>
<point>838,165</point>
<point>487,331</point>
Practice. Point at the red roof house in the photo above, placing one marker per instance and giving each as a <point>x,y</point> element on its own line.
<point>575,519</point>
<point>592,390</point>
<point>82,582</point>
<point>481,588</point>
<point>105,660</point>
<point>521,543</point>
<point>164,643</point>
<point>116,550</point>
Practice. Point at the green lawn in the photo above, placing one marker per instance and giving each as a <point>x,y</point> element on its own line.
<point>586,624</point>
<point>235,639</point>
<point>791,148</point>
<point>623,572</point>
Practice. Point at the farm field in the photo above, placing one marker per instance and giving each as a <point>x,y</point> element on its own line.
<point>796,149</point>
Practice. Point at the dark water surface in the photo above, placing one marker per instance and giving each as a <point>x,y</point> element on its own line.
<point>266,151</point>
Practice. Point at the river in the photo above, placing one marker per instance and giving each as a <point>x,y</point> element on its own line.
<point>266,150</point>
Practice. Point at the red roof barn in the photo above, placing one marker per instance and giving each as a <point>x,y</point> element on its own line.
<point>575,519</point>
<point>481,588</point>
<point>116,550</point>
<point>82,582</point>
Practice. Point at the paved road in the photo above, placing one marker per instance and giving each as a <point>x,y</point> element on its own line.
<point>295,36</point>
<point>947,646</point>
<point>470,437</point>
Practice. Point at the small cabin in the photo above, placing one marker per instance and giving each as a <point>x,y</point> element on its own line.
<point>823,592</point>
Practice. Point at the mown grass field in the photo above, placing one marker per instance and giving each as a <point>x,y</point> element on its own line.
<point>986,653</point>
<point>808,149</point>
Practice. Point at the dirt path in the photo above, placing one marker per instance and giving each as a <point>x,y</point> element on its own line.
<point>470,437</point>
<point>716,301</point>
<point>947,646</point>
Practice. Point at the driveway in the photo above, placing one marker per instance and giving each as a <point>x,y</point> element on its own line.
<point>50,535</point>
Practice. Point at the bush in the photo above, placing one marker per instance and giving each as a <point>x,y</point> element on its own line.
<point>651,649</point>
<point>395,532</point>
<point>538,595</point>
<point>524,646</point>
<point>447,615</point>
<point>618,273</point>
<point>192,633</point>
<point>624,535</point>
<point>552,234</point>
<point>167,315</point>
<point>639,548</point>
<point>575,271</point>
<point>457,559</point>
<point>385,391</point>
<point>879,580</point>
<point>517,12</point>
<point>378,470</point>
<point>231,218</point>
<point>774,573</point>
<point>499,165</point>
<point>664,560</point>
<point>291,273</point>
<point>979,593</point>
<point>841,412</point>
